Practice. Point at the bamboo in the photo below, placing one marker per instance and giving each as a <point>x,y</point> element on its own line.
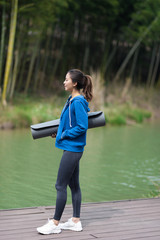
<point>87,48</point>
<point>44,60</point>
<point>14,74</point>
<point>129,79</point>
<point>151,64</point>
<point>133,49</point>
<point>21,73</point>
<point>37,72</point>
<point>64,39</point>
<point>110,58</point>
<point>9,80</point>
<point>86,57</point>
<point>32,62</point>
<point>134,63</point>
<point>10,48</point>
<point>106,57</point>
<point>23,55</point>
<point>18,57</point>
<point>2,42</point>
<point>155,67</point>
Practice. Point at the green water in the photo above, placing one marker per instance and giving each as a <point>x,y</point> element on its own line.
<point>118,163</point>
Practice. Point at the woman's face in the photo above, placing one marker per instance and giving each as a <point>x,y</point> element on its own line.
<point>68,84</point>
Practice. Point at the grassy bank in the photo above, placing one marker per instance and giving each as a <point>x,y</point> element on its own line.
<point>125,114</point>
<point>30,110</point>
<point>137,106</point>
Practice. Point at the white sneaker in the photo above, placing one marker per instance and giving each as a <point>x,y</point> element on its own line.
<point>49,228</point>
<point>71,225</point>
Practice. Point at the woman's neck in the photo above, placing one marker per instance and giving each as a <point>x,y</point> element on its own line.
<point>74,94</point>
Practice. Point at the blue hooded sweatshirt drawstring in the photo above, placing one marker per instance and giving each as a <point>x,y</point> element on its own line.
<point>73,125</point>
<point>70,120</point>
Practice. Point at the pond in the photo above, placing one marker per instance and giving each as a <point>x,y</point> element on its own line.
<point>118,163</point>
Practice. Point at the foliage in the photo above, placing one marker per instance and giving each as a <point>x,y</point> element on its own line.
<point>145,13</point>
<point>156,191</point>
<point>54,36</point>
<point>25,111</point>
<point>122,114</point>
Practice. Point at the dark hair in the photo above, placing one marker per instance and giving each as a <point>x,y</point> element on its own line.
<point>83,82</point>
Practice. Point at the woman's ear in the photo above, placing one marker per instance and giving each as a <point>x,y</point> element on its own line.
<point>75,84</point>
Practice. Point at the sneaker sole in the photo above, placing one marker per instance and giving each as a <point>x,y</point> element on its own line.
<point>73,229</point>
<point>44,233</point>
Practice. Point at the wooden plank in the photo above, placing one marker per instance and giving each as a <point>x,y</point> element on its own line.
<point>130,205</point>
<point>99,212</point>
<point>91,222</point>
<point>125,235</point>
<point>101,229</point>
<point>137,219</point>
<point>22,211</point>
<point>131,238</point>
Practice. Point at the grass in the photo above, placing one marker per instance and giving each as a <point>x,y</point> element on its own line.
<point>125,114</point>
<point>26,111</point>
<point>156,192</point>
<point>137,106</point>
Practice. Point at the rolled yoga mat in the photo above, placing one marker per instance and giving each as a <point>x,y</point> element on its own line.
<point>46,129</point>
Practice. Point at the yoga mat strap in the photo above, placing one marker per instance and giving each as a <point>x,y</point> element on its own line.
<point>45,129</point>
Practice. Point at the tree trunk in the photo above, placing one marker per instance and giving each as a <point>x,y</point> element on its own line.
<point>110,58</point>
<point>10,48</point>
<point>151,64</point>
<point>64,39</point>
<point>14,74</point>
<point>21,74</point>
<point>134,63</point>
<point>105,55</point>
<point>87,48</point>
<point>9,80</point>
<point>129,79</point>
<point>86,56</point>
<point>18,57</point>
<point>44,61</point>
<point>2,43</point>
<point>30,71</point>
<point>155,67</point>
<point>22,64</point>
<point>133,49</point>
<point>37,72</point>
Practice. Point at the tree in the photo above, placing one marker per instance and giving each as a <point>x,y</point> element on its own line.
<point>2,40</point>
<point>13,22</point>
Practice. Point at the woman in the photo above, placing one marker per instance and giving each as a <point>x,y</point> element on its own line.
<point>71,137</point>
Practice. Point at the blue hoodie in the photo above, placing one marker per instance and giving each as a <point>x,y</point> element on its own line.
<point>71,135</point>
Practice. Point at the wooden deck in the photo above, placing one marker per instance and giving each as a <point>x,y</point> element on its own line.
<point>136,219</point>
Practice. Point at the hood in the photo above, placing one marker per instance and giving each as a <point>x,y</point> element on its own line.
<point>82,100</point>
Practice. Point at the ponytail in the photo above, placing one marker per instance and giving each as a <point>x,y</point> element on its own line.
<point>84,82</point>
<point>87,89</point>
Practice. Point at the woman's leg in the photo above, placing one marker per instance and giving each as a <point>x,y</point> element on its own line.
<point>76,193</point>
<point>67,166</point>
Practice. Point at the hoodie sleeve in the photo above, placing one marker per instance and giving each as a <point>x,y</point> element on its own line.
<point>81,122</point>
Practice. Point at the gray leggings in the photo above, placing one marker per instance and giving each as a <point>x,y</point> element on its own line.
<point>68,174</point>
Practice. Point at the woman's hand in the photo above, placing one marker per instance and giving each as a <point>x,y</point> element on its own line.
<point>54,135</point>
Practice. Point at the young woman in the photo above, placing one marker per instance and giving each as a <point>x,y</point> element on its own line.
<point>71,137</point>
